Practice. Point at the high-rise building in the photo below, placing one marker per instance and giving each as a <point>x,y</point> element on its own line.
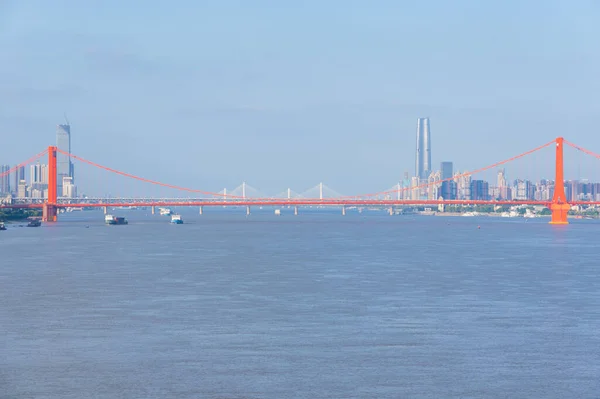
<point>447,170</point>
<point>434,185</point>
<point>38,173</point>
<point>69,189</point>
<point>423,155</point>
<point>523,190</point>
<point>448,190</point>
<point>44,174</point>
<point>463,185</point>
<point>19,175</point>
<point>22,189</point>
<point>479,190</point>
<point>38,179</point>
<point>64,166</point>
<point>4,180</point>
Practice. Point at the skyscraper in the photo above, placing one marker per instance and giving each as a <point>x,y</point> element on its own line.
<point>447,170</point>
<point>64,166</point>
<point>423,156</point>
<point>35,173</point>
<point>19,175</point>
<point>4,180</point>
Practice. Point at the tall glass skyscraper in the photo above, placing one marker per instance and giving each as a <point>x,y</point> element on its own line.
<point>423,156</point>
<point>64,166</point>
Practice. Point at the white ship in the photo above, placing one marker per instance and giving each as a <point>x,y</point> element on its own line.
<point>114,220</point>
<point>164,211</point>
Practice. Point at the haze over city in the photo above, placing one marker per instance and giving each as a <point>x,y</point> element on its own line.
<point>210,95</point>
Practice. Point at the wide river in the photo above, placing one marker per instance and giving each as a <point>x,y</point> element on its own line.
<point>314,306</point>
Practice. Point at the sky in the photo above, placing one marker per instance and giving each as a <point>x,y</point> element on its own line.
<point>207,94</point>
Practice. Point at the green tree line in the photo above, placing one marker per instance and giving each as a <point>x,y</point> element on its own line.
<point>18,214</point>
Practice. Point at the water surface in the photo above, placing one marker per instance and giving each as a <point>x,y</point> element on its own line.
<point>314,306</point>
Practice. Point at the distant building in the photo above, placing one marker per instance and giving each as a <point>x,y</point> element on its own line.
<point>22,189</point>
<point>523,190</point>
<point>502,185</point>
<point>19,175</point>
<point>64,166</point>
<point>448,190</point>
<point>447,169</point>
<point>434,185</point>
<point>463,185</point>
<point>544,190</point>
<point>69,190</point>
<point>423,153</point>
<point>38,173</point>
<point>415,192</point>
<point>405,187</point>
<point>4,180</point>
<point>479,190</point>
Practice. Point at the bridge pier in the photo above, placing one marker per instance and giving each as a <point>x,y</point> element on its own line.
<point>49,213</point>
<point>153,209</point>
<point>559,213</point>
<point>105,208</point>
<point>295,211</point>
<point>343,210</point>
<point>391,211</point>
<point>201,211</point>
<point>247,210</point>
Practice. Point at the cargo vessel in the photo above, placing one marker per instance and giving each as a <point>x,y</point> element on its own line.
<point>34,223</point>
<point>110,219</point>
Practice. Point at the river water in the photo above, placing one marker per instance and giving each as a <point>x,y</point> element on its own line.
<point>314,306</point>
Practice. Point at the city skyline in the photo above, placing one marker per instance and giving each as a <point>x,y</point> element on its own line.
<point>461,187</point>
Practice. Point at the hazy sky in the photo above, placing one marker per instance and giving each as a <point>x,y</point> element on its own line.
<point>280,93</point>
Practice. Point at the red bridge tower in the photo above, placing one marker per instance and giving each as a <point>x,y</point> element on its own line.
<point>50,210</point>
<point>559,205</point>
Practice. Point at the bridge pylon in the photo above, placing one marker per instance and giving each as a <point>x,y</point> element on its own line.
<point>50,210</point>
<point>559,205</point>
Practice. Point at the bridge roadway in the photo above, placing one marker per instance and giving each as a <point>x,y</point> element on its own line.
<point>283,202</point>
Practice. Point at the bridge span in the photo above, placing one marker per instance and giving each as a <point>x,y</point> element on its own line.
<point>558,205</point>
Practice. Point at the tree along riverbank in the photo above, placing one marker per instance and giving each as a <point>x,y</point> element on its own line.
<point>7,215</point>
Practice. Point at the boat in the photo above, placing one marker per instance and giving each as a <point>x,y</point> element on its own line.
<point>114,220</point>
<point>176,219</point>
<point>34,223</point>
<point>164,211</point>
<point>2,226</point>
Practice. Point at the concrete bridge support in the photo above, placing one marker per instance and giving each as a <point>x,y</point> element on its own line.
<point>49,213</point>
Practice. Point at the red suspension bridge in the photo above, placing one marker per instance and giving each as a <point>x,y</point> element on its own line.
<point>558,205</point>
